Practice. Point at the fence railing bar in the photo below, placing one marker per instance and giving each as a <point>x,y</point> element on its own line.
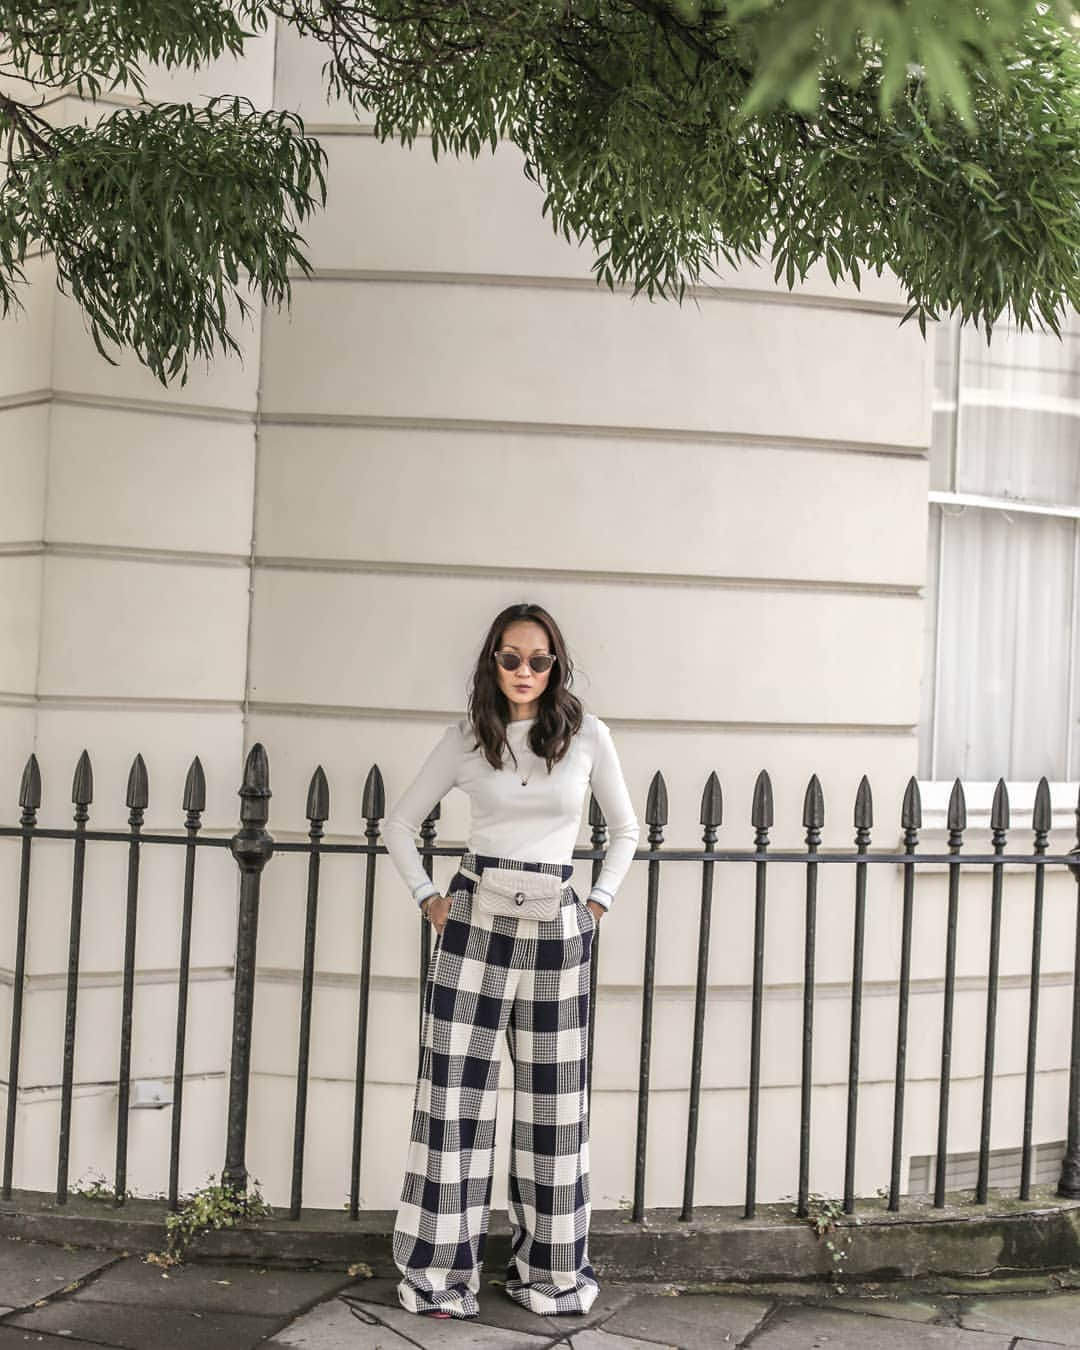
<point>194,804</point>
<point>957,821</point>
<point>863,821</point>
<point>137,801</point>
<point>761,816</point>
<point>428,830</point>
<point>1041,826</point>
<point>82,794</point>
<point>711,818</point>
<point>656,818</point>
<point>598,833</point>
<point>1000,815</point>
<point>29,800</point>
<point>1069,1181</point>
<point>813,819</point>
<point>318,812</point>
<point>373,807</point>
<point>911,815</point>
<point>841,856</point>
<point>112,836</point>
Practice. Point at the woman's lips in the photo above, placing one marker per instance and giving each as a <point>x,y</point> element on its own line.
<point>523,688</point>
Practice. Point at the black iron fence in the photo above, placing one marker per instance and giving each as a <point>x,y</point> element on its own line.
<point>252,847</point>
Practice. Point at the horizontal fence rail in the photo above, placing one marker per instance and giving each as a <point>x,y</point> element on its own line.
<point>252,847</point>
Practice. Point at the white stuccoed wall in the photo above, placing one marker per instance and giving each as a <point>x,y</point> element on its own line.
<point>724,504</point>
<point>125,550</point>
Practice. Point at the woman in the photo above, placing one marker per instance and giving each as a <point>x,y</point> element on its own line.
<point>493,975</point>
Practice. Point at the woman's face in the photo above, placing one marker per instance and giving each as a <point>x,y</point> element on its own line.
<point>524,686</point>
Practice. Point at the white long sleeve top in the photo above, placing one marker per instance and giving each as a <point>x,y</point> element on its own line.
<point>534,822</point>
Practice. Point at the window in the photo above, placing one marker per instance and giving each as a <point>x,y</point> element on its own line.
<point>1001,680</point>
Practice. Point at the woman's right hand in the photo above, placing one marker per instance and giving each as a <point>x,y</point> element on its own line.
<point>437,911</point>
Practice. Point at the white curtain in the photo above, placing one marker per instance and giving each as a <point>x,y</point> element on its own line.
<point>1005,615</point>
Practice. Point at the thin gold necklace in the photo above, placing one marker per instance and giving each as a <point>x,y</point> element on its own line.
<point>536,759</point>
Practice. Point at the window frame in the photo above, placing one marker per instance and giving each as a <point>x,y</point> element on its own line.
<point>978,794</point>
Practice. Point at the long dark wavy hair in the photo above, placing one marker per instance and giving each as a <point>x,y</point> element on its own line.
<point>560,713</point>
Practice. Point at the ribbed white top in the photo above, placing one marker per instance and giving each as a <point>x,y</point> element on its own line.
<point>537,822</point>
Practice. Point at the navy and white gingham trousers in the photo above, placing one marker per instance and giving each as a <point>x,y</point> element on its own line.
<point>492,976</point>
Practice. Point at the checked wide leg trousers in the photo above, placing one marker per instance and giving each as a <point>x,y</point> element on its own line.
<point>490,977</point>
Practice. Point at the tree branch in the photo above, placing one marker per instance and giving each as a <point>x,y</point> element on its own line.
<point>20,118</point>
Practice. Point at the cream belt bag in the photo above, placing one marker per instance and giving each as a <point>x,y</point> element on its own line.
<point>518,894</point>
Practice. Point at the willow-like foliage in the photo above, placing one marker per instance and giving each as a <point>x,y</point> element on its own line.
<point>157,215</point>
<point>938,140</point>
<point>672,136</point>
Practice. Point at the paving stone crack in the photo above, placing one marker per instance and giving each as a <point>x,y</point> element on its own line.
<point>58,1296</point>
<point>756,1330</point>
<point>365,1314</point>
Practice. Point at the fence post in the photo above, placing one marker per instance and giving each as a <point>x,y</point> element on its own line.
<point>1069,1182</point>
<point>252,847</point>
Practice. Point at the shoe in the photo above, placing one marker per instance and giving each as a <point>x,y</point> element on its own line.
<point>437,1312</point>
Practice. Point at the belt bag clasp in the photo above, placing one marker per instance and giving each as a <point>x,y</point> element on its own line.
<point>519,894</point>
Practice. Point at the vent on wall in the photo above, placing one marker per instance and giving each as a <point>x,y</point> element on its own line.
<point>962,1169</point>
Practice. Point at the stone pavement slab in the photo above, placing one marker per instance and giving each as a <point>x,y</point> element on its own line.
<point>33,1270</point>
<point>805,1328</point>
<point>336,1325</point>
<point>690,1321</point>
<point>212,1288</point>
<point>1047,1317</point>
<point>598,1339</point>
<point>137,1328</point>
<point>341,1324</point>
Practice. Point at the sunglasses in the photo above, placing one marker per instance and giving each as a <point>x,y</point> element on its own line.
<point>539,663</point>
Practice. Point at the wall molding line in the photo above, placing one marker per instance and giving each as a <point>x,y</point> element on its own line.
<point>472,425</point>
<point>403,568</point>
<point>563,282</point>
<point>271,708</point>
<point>111,703</point>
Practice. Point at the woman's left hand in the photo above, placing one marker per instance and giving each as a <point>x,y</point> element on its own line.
<point>597,910</point>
